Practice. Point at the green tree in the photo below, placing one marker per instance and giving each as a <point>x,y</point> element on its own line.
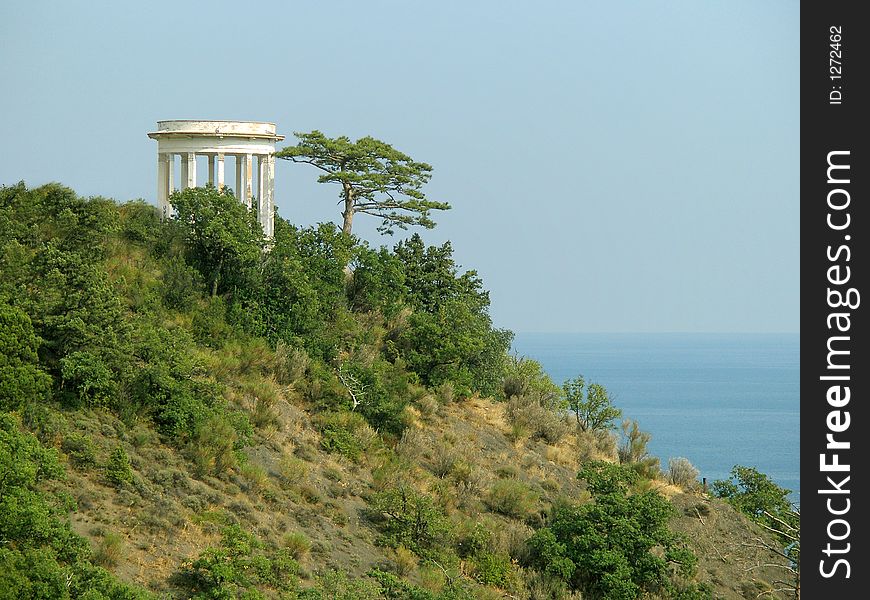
<point>21,379</point>
<point>86,380</point>
<point>378,282</point>
<point>617,547</point>
<point>411,519</point>
<point>118,469</point>
<point>432,277</point>
<point>238,567</point>
<point>375,179</point>
<point>450,336</point>
<point>301,297</point>
<point>526,377</point>
<point>594,410</point>
<point>755,495</point>
<point>223,237</point>
<point>40,555</point>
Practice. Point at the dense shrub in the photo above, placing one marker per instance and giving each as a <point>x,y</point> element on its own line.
<point>86,380</point>
<point>449,336</point>
<point>41,556</point>
<point>336,585</point>
<point>344,433</point>
<point>512,498</point>
<point>239,567</point>
<point>223,239</point>
<point>378,282</point>
<point>540,420</point>
<point>21,378</point>
<point>118,469</point>
<point>209,324</point>
<point>526,377</point>
<point>181,284</point>
<point>619,546</point>
<point>411,519</point>
<point>81,450</point>
<point>140,221</point>
<point>380,391</point>
<point>290,364</point>
<point>216,445</point>
<point>301,299</point>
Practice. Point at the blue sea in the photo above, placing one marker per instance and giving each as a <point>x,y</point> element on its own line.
<point>717,399</point>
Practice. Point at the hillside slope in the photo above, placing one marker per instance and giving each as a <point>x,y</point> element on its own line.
<point>236,422</point>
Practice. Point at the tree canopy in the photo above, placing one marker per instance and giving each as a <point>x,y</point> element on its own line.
<point>618,546</point>
<point>222,235</point>
<point>375,179</point>
<point>595,411</point>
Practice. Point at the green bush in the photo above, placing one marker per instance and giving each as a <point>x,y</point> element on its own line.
<point>118,469</point>
<point>378,282</point>
<point>87,380</point>
<point>411,519</point>
<point>382,393</point>
<point>449,336</point>
<point>490,568</point>
<point>109,551</point>
<point>239,568</point>
<point>216,445</point>
<point>391,586</point>
<point>526,377</point>
<point>41,556</point>
<point>540,420</point>
<point>297,544</point>
<point>222,238</point>
<point>181,284</point>
<point>80,450</point>
<point>209,324</point>
<point>342,433</point>
<point>21,379</point>
<point>593,410</point>
<point>336,585</point>
<point>301,298</point>
<point>619,546</point>
<point>290,363</point>
<point>755,495</point>
<point>140,221</point>
<point>512,498</point>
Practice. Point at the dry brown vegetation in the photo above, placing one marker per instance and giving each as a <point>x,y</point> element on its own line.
<point>292,493</point>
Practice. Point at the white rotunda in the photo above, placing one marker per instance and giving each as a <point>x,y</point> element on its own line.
<point>247,142</point>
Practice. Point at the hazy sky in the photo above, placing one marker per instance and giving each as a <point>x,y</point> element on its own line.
<point>612,166</point>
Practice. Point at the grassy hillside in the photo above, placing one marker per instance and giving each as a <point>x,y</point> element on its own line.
<point>188,413</point>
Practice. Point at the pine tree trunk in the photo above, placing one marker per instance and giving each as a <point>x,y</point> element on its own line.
<point>348,209</point>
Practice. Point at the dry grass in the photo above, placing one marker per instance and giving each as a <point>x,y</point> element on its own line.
<point>298,544</point>
<point>109,551</point>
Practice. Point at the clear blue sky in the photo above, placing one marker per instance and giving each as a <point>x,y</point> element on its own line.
<point>613,166</point>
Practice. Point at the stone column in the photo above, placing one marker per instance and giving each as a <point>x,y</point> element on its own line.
<point>188,170</point>
<point>261,172</point>
<point>240,166</point>
<point>220,171</point>
<point>164,185</point>
<point>249,174</point>
<point>170,163</point>
<point>211,169</point>
<point>267,204</point>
